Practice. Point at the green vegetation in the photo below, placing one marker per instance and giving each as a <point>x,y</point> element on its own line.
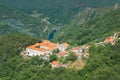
<point>13,44</point>
<point>56,51</point>
<point>59,11</point>
<point>53,57</point>
<point>94,29</point>
<point>36,60</point>
<point>103,63</point>
<point>71,57</point>
<point>14,21</point>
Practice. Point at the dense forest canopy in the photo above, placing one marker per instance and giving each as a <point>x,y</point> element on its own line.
<point>15,21</point>
<point>102,64</point>
<point>94,29</point>
<point>27,22</point>
<point>59,11</point>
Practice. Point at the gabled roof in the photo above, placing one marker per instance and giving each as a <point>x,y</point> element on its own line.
<point>109,39</point>
<point>35,47</point>
<point>55,63</point>
<point>51,46</point>
<point>76,48</point>
<point>62,53</point>
<point>66,44</point>
<point>48,44</point>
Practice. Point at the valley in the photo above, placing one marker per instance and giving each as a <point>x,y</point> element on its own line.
<point>96,28</point>
<point>59,39</point>
<point>13,21</point>
<point>58,11</point>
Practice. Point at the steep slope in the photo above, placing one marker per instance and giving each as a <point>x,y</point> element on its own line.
<point>12,44</point>
<point>103,63</point>
<point>91,29</point>
<point>14,21</point>
<point>59,11</point>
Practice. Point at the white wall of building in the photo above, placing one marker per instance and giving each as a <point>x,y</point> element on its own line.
<point>77,51</point>
<point>31,52</point>
<point>62,47</point>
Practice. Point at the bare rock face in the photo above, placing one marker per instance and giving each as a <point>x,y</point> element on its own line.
<point>117,6</point>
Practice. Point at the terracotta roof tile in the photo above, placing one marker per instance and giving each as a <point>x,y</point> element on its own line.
<point>66,44</point>
<point>109,39</point>
<point>55,63</point>
<point>46,43</point>
<point>62,53</point>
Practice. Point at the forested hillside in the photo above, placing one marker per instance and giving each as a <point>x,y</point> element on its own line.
<point>103,63</point>
<point>14,21</point>
<point>59,11</point>
<point>96,28</point>
<point>87,28</point>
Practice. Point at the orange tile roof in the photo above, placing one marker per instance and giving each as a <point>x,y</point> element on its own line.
<point>55,63</point>
<point>76,48</point>
<point>46,43</point>
<point>66,44</point>
<point>109,39</point>
<point>35,47</point>
<point>62,53</point>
